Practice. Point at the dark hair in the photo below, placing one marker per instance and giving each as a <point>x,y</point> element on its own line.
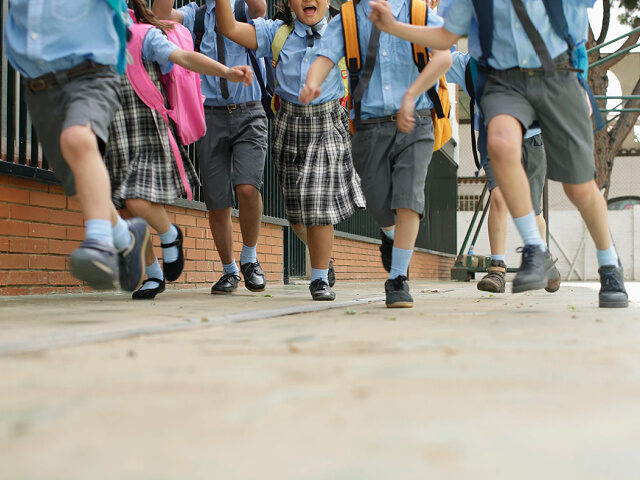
<point>145,15</point>
<point>283,12</point>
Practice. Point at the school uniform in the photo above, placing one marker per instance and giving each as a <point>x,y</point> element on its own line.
<point>517,86</point>
<point>310,143</point>
<point>66,52</point>
<point>139,157</point>
<point>236,125</point>
<point>534,159</point>
<point>392,165</point>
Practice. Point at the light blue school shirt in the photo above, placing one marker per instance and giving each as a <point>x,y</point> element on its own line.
<point>511,46</point>
<point>456,74</point>
<point>156,47</point>
<point>44,36</point>
<point>295,60</point>
<point>394,71</point>
<point>234,55</point>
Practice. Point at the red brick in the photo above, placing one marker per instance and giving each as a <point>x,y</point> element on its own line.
<point>27,212</point>
<point>13,195</point>
<point>195,232</point>
<point>47,262</point>
<point>63,217</point>
<point>43,290</point>
<point>28,278</point>
<point>75,233</point>
<point>4,244</point>
<point>185,220</point>
<point>73,204</point>
<point>56,189</point>
<point>193,254</point>
<point>189,242</point>
<point>62,278</point>
<point>4,210</point>
<point>14,229</point>
<point>26,183</point>
<point>63,247</point>
<point>204,266</point>
<point>12,291</point>
<point>43,230</point>
<point>44,199</point>
<point>202,222</point>
<point>28,245</point>
<point>13,261</point>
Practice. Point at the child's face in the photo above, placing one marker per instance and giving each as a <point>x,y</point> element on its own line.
<point>309,12</point>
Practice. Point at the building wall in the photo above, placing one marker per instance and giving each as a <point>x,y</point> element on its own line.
<point>40,227</point>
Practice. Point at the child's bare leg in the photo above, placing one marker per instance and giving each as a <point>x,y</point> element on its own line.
<point>250,214</point>
<point>497,223</point>
<point>154,213</point>
<point>320,240</point>
<point>542,225</point>
<point>593,209</point>
<point>407,226</point>
<point>300,231</point>
<point>222,230</point>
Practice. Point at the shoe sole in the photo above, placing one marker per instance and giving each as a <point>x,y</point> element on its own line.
<point>619,304</point>
<point>553,286</point>
<point>255,289</point>
<point>219,292</point>
<point>96,274</point>
<point>529,286</point>
<point>400,305</point>
<point>143,249</point>
<point>323,299</point>
<point>489,288</point>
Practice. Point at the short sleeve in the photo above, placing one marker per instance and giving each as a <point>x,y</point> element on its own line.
<point>332,43</point>
<point>459,16</point>
<point>265,33</point>
<point>456,74</point>
<point>189,15</point>
<point>434,20</point>
<point>157,48</point>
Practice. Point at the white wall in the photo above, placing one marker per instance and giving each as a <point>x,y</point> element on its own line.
<point>567,228</point>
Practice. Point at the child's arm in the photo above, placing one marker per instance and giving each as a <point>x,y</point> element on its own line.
<point>163,9</point>
<point>318,72</point>
<point>439,63</point>
<point>200,63</point>
<point>242,33</point>
<point>256,8</point>
<point>438,38</point>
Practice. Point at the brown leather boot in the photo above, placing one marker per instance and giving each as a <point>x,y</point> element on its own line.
<point>494,280</point>
<point>554,283</point>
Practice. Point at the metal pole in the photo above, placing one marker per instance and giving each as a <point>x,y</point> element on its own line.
<point>613,55</point>
<point>484,215</point>
<point>628,34</point>
<point>545,207</point>
<point>473,220</point>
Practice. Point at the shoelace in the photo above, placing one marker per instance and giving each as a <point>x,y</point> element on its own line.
<point>528,255</point>
<point>610,281</point>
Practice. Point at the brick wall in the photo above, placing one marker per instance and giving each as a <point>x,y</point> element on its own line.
<point>40,227</point>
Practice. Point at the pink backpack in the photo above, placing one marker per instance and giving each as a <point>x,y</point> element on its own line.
<point>181,89</point>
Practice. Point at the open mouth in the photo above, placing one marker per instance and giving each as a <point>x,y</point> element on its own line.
<point>309,11</point>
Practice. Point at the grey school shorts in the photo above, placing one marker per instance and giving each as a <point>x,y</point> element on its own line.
<point>393,167</point>
<point>534,162</point>
<point>232,152</point>
<point>93,98</point>
<point>559,104</point>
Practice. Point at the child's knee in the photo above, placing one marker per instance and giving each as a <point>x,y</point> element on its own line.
<point>581,194</point>
<point>503,147</point>
<point>246,193</point>
<point>77,142</point>
<point>137,206</point>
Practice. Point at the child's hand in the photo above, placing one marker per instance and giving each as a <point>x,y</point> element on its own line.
<point>381,15</point>
<point>309,93</point>
<point>406,115</point>
<point>241,73</point>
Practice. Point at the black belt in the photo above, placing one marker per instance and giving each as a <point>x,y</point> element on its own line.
<point>562,62</point>
<point>393,118</point>
<point>50,80</point>
<point>234,106</point>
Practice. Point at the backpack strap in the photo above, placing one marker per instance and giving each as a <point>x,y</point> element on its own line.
<point>351,42</point>
<point>199,27</point>
<point>279,40</point>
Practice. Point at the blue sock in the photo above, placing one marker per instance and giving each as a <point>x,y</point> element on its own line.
<point>391,234</point>
<point>320,274</point>
<point>98,229</point>
<point>121,235</point>
<point>153,271</point>
<point>497,258</point>
<point>607,257</point>
<point>169,254</point>
<point>528,229</point>
<point>231,268</point>
<point>400,260</point>
<point>248,254</point>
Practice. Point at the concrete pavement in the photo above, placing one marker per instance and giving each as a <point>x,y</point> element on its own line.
<point>464,385</point>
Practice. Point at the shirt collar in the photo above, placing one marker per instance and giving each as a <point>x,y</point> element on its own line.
<point>301,29</point>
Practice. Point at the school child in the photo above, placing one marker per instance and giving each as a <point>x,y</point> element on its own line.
<point>144,173</point>
<point>66,54</point>
<point>310,146</point>
<point>233,151</point>
<point>534,161</point>
<point>392,165</point>
<point>528,71</point>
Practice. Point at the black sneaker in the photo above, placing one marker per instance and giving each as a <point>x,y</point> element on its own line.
<point>253,276</point>
<point>132,264</point>
<point>320,290</point>
<point>386,249</point>
<point>612,293</point>
<point>535,270</point>
<point>331,276</point>
<point>228,283</point>
<point>397,291</point>
<point>95,263</point>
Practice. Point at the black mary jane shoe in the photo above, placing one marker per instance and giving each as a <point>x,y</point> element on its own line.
<point>149,293</point>
<point>321,291</point>
<point>173,270</point>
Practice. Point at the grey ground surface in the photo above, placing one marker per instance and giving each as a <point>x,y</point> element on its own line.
<point>465,385</point>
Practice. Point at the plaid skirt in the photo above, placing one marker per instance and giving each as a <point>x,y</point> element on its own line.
<point>311,150</point>
<point>139,157</point>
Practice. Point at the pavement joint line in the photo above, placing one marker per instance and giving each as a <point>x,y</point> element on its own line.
<point>72,338</point>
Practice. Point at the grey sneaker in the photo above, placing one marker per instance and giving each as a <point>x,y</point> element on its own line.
<point>535,270</point>
<point>397,291</point>
<point>132,264</point>
<point>95,263</point>
<point>612,292</point>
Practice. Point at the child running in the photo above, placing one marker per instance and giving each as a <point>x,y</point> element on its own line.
<point>392,165</point>
<point>66,53</point>
<point>144,173</point>
<point>310,146</point>
<point>529,72</point>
